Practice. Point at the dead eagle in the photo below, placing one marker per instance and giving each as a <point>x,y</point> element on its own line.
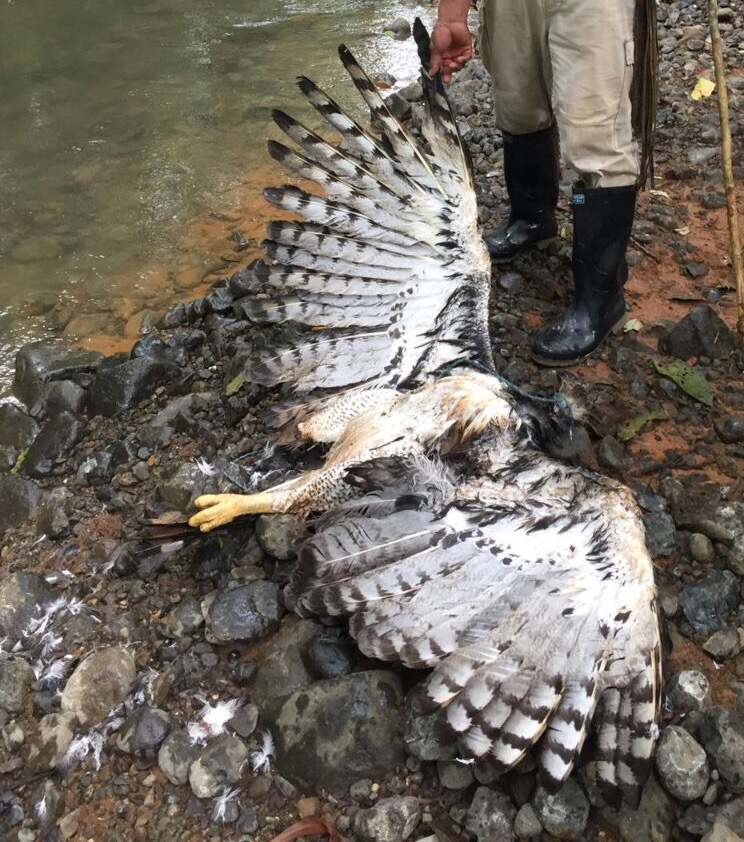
<point>450,539</point>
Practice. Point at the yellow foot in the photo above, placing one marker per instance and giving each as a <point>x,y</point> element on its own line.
<point>219,509</point>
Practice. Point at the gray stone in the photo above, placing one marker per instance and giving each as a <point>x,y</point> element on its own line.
<point>454,775</point>
<point>723,644</point>
<point>361,790</point>
<point>281,671</point>
<point>701,549</point>
<point>426,735</point>
<point>701,332</point>
<point>51,518</point>
<point>97,468</point>
<point>713,200</point>
<point>247,613</point>
<point>563,814</point>
<point>17,428</point>
<point>245,720</point>
<point>660,533</point>
<point>22,595</point>
<point>413,92</point>
<point>490,816</point>
<point>707,604</point>
<point>400,28</point>
<point>16,678</point>
<point>220,763</point>
<point>526,823</point>
<point>330,654</point>
<point>47,747</point>
<point>721,833</point>
<point>611,453</point>
<point>99,684</point>
<point>278,535</point>
<point>143,732</point>
<point>56,439</point>
<point>681,764</point>
<point>181,483</point>
<point>120,387</point>
<point>390,820</point>
<point>351,727</point>
<point>64,396</point>
<point>689,690</point>
<point>653,820</point>
<point>730,429</point>
<point>20,499</point>
<point>44,362</point>
<point>176,755</point>
<point>731,518</point>
<point>185,619</point>
<point>53,802</point>
<point>722,735</point>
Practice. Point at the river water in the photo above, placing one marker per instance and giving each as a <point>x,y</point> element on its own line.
<point>132,142</point>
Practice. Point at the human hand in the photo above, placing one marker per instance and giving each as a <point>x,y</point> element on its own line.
<point>451,48</point>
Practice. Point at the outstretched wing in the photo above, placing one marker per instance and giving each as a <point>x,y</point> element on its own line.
<point>531,618</point>
<point>386,265</point>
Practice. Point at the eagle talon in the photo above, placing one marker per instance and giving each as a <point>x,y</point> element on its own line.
<point>221,509</point>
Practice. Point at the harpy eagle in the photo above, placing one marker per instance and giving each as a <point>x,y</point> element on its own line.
<point>446,534</point>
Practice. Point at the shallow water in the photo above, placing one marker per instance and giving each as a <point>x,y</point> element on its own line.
<point>123,126</point>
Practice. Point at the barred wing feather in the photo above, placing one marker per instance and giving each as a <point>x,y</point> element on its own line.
<point>386,264</point>
<point>530,623</point>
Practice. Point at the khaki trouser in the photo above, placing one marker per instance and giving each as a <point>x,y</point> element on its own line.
<point>570,62</point>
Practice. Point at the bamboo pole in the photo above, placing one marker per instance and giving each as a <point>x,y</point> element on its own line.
<point>728,172</point>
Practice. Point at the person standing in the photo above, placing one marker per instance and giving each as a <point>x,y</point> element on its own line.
<point>566,70</point>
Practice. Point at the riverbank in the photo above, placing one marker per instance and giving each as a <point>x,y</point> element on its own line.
<point>136,689</point>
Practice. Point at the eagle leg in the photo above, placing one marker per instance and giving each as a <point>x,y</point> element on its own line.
<point>220,509</point>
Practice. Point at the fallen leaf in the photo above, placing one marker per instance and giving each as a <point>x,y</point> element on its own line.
<point>630,429</point>
<point>235,384</point>
<point>689,379</point>
<point>703,88</point>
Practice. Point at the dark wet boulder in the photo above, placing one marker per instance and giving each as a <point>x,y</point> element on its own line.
<point>701,332</point>
<point>722,737</point>
<point>44,362</point>
<point>17,428</point>
<point>143,732</point>
<point>56,439</point>
<point>247,613</point>
<point>121,387</point>
<point>64,396</point>
<point>20,498</point>
<point>707,604</point>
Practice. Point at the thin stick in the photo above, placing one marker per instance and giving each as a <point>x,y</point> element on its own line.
<point>639,245</point>
<point>728,172</point>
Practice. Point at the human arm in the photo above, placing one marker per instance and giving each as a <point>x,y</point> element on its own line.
<point>451,44</point>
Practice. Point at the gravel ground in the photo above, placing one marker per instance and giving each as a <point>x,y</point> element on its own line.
<point>154,697</point>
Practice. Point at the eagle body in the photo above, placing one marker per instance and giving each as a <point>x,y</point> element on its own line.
<point>442,528</point>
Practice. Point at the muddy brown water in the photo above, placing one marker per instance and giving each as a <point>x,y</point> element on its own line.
<point>132,140</point>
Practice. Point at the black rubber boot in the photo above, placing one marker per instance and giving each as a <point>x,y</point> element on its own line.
<point>603,218</point>
<point>531,172</point>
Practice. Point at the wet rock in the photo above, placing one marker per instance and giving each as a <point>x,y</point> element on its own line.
<point>143,732</point>
<point>96,468</point>
<point>660,533</point>
<point>722,735</point>
<point>44,362</point>
<point>721,833</point>
<point>400,107</point>
<point>707,604</point>
<point>390,820</point>
<point>281,670</point>
<point>330,654</point>
<point>22,596</point>
<point>695,269</point>
<point>99,684</point>
<point>121,387</point>
<point>248,820</point>
<point>693,503</point>
<point>57,438</point>
<point>278,535</point>
<point>723,644</point>
<point>565,813</point>
<point>351,726</point>
<point>689,690</point>
<point>220,763</point>
<point>361,790</point>
<point>453,775</point>
<point>426,735</point>
<point>399,27</point>
<point>176,755</point>
<point>245,720</point>
<point>730,429</point>
<point>413,92</point>
<point>247,613</point>
<point>490,816</point>
<point>179,413</point>
<point>713,200</point>
<point>731,517</point>
<point>611,453</point>
<point>700,332</point>
<point>681,764</point>
<point>20,498</point>
<point>16,678</point>
<point>64,396</point>
<point>526,823</point>
<point>17,428</point>
<point>51,518</point>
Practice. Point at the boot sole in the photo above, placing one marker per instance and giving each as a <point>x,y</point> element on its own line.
<point>541,245</point>
<point>548,363</point>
